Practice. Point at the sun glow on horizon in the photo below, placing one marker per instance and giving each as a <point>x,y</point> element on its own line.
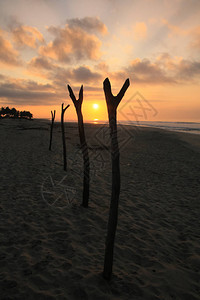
<point>95,121</point>
<point>95,106</point>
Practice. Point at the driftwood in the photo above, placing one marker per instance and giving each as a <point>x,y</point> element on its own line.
<point>84,147</point>
<point>63,136</point>
<point>112,104</point>
<point>51,132</point>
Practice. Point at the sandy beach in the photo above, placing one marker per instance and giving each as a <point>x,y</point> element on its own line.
<point>53,248</point>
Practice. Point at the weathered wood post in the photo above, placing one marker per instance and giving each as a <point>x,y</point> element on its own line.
<point>84,147</point>
<point>112,104</point>
<point>63,135</point>
<point>53,114</point>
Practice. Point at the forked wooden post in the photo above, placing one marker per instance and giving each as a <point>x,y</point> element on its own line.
<point>84,147</point>
<point>53,114</point>
<point>112,104</point>
<point>63,136</point>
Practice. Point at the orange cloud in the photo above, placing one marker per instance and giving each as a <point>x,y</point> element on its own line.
<point>8,55</point>
<point>44,67</point>
<point>168,62</point>
<point>72,43</point>
<point>195,34</point>
<point>174,30</point>
<point>22,92</point>
<point>145,71</point>
<point>140,31</point>
<point>41,67</point>
<point>89,24</point>
<point>27,36</point>
<point>102,66</point>
<point>164,70</point>
<point>28,92</point>
<point>181,69</point>
<point>81,75</point>
<point>41,63</point>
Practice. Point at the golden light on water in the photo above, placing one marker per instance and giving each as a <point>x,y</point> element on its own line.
<point>95,121</point>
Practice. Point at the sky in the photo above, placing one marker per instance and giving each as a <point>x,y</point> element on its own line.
<point>47,44</point>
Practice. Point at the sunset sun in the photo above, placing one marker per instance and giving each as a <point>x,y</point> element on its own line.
<point>95,106</point>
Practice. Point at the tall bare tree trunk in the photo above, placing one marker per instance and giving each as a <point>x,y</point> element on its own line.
<point>63,136</point>
<point>51,132</point>
<point>84,147</point>
<point>112,104</point>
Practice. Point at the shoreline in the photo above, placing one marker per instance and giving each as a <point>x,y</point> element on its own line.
<point>124,123</point>
<point>143,124</point>
<point>192,139</point>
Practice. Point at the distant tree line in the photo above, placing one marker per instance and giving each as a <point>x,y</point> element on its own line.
<point>6,112</point>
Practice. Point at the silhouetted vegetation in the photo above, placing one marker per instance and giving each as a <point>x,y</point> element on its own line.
<point>6,112</point>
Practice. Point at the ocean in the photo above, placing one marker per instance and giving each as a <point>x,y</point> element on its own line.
<point>190,127</point>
